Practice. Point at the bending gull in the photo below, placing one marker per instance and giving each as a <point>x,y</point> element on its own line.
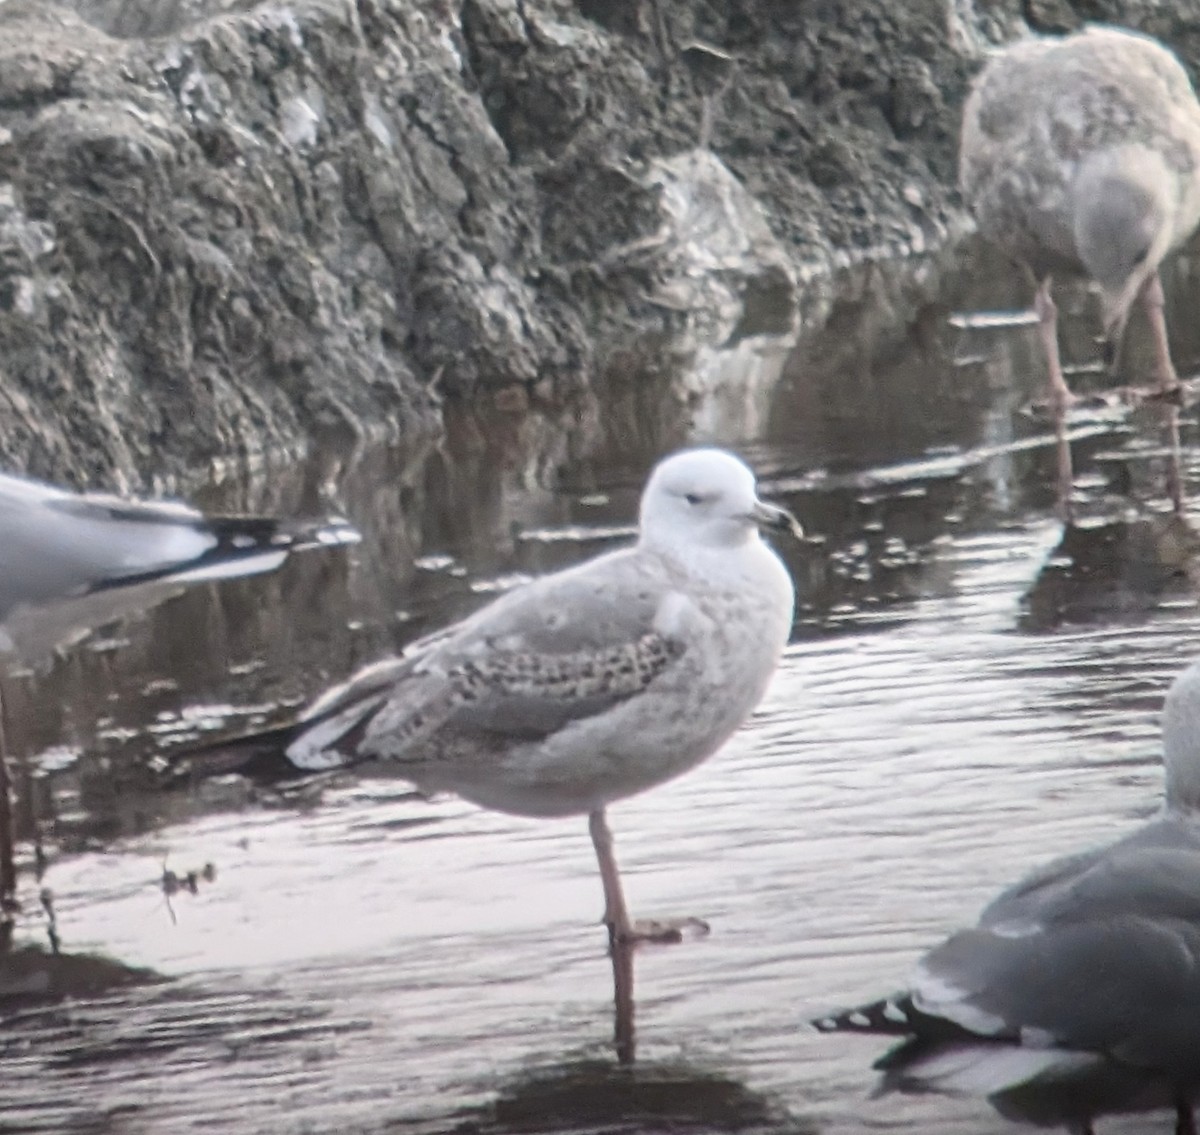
<point>1083,980</point>
<point>1080,156</point>
<point>585,686</point>
<point>72,561</point>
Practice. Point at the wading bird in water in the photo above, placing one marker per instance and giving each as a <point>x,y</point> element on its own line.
<point>584,686</point>
<point>1078,992</point>
<point>1080,156</point>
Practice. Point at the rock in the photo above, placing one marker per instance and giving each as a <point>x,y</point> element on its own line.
<point>229,227</point>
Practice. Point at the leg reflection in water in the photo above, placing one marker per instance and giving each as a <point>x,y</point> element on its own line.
<point>1174,460</point>
<point>8,870</point>
<point>1064,473</point>
<point>624,1036</point>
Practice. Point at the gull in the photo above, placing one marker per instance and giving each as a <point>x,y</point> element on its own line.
<point>585,686</point>
<point>1081,980</point>
<point>70,562</point>
<point>1080,156</point>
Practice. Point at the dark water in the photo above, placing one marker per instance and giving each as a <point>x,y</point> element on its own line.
<point>966,694</point>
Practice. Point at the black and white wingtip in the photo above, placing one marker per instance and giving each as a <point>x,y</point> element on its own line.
<point>245,545</point>
<point>332,532</point>
<point>890,1017</point>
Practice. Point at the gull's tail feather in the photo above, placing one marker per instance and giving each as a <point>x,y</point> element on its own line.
<point>323,738</point>
<point>893,1016</point>
<point>260,755</point>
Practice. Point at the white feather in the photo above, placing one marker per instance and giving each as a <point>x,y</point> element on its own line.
<point>938,997</point>
<point>984,1069</point>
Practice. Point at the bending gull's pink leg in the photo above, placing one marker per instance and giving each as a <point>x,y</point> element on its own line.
<point>1047,313</point>
<point>1060,393</point>
<point>1164,369</point>
<point>1169,387</point>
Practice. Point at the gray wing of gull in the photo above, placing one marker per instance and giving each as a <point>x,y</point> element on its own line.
<point>1099,952</point>
<point>556,651</point>
<point>71,561</point>
<point>57,544</point>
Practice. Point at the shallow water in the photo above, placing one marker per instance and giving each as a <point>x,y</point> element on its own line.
<point>958,703</point>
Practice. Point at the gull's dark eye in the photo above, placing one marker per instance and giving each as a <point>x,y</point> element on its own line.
<point>692,498</point>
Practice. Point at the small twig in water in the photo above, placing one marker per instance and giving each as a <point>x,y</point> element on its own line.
<point>171,883</point>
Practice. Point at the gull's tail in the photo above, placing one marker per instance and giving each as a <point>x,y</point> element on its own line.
<point>323,737</point>
<point>893,1016</point>
<point>260,755</point>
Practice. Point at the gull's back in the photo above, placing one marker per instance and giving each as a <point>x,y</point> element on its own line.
<point>1041,106</point>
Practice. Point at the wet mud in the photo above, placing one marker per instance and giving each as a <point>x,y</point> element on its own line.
<point>235,231</point>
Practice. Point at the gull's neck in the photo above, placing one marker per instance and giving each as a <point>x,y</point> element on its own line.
<point>711,563</point>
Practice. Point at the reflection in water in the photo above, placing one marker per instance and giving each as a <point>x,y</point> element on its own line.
<point>1114,570</point>
<point>1074,1099</point>
<point>1175,486</point>
<point>624,1034</point>
<point>1128,555</point>
<point>364,953</point>
<point>593,1097</point>
<point>1108,1091</point>
<point>30,974</point>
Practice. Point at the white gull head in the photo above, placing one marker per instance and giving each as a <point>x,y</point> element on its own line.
<point>706,498</point>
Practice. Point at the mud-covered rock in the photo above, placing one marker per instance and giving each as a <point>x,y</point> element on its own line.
<point>227,227</point>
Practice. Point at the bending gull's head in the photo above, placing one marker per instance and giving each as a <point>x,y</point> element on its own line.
<point>706,498</point>
<point>1181,741</point>
<point>1124,221</point>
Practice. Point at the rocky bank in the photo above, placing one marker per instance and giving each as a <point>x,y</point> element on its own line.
<point>229,228</point>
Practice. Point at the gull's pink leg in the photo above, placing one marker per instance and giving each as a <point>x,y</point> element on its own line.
<point>1168,386</point>
<point>1164,369</point>
<point>1047,313</point>
<point>616,914</point>
<point>621,928</point>
<point>1060,393</point>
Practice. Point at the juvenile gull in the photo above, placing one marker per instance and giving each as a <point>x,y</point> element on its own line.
<point>588,685</point>
<point>1082,982</point>
<point>72,561</point>
<point>1080,156</point>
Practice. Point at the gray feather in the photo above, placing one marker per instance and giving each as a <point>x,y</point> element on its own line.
<point>520,670</point>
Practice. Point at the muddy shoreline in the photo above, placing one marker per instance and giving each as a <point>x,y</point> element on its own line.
<point>231,229</point>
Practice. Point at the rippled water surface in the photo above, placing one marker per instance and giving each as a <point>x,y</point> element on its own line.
<point>969,690</point>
